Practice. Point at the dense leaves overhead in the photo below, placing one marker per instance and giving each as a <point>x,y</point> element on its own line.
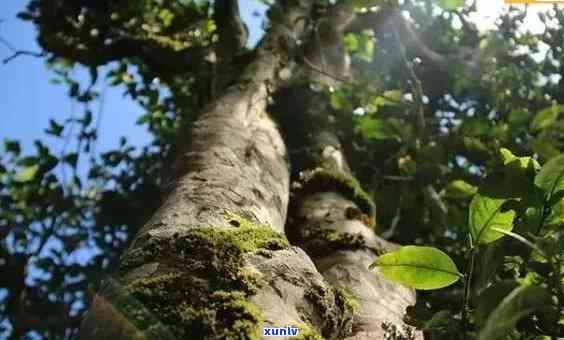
<point>96,32</point>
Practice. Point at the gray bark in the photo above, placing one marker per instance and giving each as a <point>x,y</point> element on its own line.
<point>234,172</point>
<point>331,228</point>
<point>332,221</point>
<point>213,262</point>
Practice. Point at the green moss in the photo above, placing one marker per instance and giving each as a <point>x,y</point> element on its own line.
<point>308,333</point>
<point>206,296</point>
<point>189,310</point>
<point>325,179</point>
<point>349,300</point>
<point>319,241</point>
<point>335,308</point>
<point>348,305</point>
<point>393,332</point>
<point>135,313</point>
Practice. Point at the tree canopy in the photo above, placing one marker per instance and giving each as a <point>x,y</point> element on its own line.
<point>454,132</point>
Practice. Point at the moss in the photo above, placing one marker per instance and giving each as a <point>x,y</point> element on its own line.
<point>348,305</point>
<point>349,300</point>
<point>319,241</point>
<point>325,179</point>
<point>190,311</point>
<point>308,333</point>
<point>335,308</point>
<point>393,332</point>
<point>135,313</point>
<point>206,296</point>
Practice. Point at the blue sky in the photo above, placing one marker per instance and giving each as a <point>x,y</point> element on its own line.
<point>28,100</point>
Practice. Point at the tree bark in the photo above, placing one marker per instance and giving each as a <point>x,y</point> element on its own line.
<point>213,261</point>
<point>333,221</point>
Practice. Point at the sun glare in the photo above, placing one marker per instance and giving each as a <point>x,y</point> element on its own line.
<point>489,10</point>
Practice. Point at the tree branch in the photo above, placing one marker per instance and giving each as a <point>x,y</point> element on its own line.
<point>232,31</point>
<point>16,53</point>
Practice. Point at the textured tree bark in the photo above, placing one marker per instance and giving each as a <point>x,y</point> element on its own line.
<point>331,217</point>
<point>213,261</point>
<point>333,220</point>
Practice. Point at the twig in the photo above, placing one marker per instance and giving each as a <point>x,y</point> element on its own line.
<point>316,68</point>
<point>395,221</point>
<point>325,73</point>
<point>16,53</point>
<point>416,86</point>
<point>19,53</point>
<point>98,121</point>
<point>467,287</point>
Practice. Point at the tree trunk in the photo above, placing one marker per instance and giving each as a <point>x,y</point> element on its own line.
<point>213,262</point>
<point>333,220</point>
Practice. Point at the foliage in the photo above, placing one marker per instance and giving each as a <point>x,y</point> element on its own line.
<point>528,290</point>
<point>439,159</point>
<point>418,267</point>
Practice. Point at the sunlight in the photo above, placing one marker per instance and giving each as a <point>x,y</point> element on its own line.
<point>489,11</point>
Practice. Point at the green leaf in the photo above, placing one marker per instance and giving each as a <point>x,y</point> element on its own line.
<point>450,5</point>
<point>143,119</point>
<point>48,163</point>
<point>54,129</point>
<point>166,16</point>
<point>366,45</point>
<point>393,95</point>
<point>475,145</point>
<point>523,163</point>
<point>71,159</point>
<point>556,217</point>
<point>551,177</point>
<point>521,302</point>
<point>544,147</point>
<point>440,320</point>
<point>546,117</point>
<point>490,298</point>
<point>26,174</point>
<point>351,42</point>
<point>485,214</point>
<point>12,146</point>
<point>518,117</point>
<point>476,127</point>
<point>418,267</point>
<point>362,44</point>
<point>520,239</point>
<point>491,258</point>
<point>459,189</point>
<point>443,325</point>
<point>372,128</point>
<point>339,101</point>
<point>514,179</point>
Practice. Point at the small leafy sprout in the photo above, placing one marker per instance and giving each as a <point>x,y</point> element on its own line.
<point>485,215</point>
